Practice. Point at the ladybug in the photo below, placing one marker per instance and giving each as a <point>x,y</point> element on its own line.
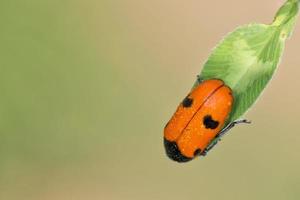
<point>199,121</point>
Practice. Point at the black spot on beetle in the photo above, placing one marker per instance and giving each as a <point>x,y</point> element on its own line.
<point>209,122</point>
<point>187,102</point>
<point>197,152</point>
<point>174,153</point>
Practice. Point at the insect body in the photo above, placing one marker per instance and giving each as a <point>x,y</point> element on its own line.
<point>198,121</point>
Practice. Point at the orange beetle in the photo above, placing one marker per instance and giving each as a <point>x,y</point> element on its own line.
<point>199,120</point>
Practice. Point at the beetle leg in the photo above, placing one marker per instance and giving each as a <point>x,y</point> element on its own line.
<point>199,80</point>
<point>222,133</point>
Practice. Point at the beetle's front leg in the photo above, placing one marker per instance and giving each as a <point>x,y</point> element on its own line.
<point>222,133</point>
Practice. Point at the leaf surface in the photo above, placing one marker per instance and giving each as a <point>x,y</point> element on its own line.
<point>247,58</point>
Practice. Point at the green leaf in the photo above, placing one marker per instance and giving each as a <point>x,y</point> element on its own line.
<point>247,58</point>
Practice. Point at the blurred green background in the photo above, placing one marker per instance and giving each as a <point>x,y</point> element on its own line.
<point>87,87</point>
